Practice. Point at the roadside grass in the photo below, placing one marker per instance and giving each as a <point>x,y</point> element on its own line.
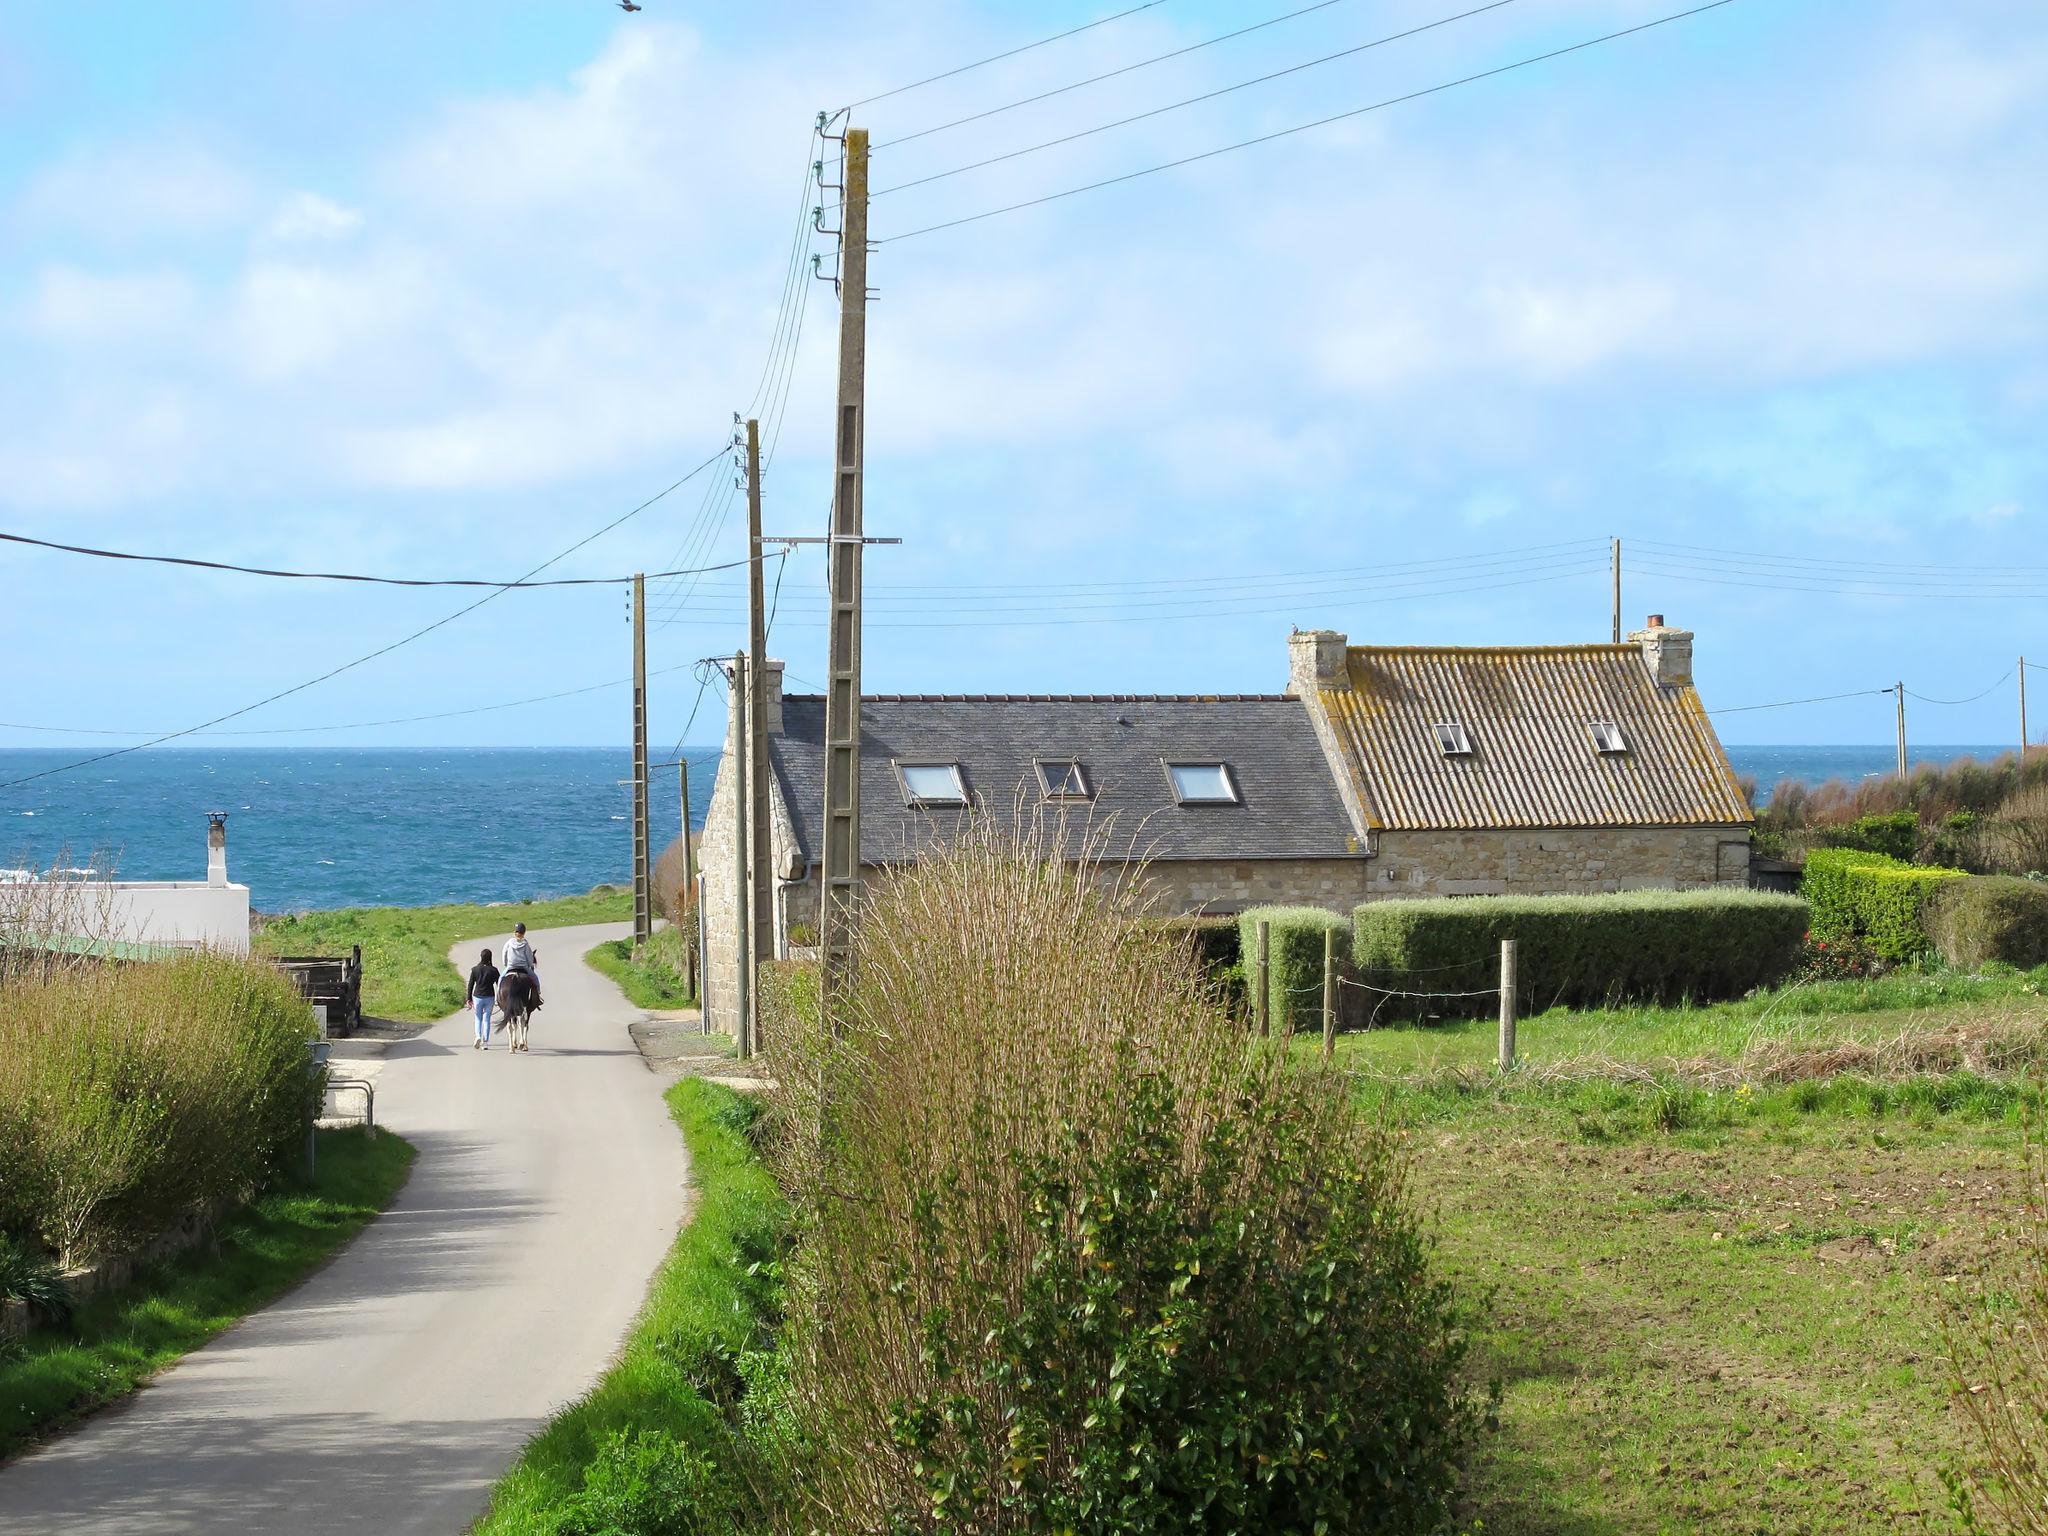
<point>656,979</point>
<point>118,1340</point>
<point>406,975</point>
<point>710,1301</point>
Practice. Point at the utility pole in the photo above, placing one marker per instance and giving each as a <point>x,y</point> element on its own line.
<point>760,890</point>
<point>643,915</point>
<point>839,892</point>
<point>689,902</point>
<point>2023,710</point>
<point>743,990</point>
<point>1614,556</point>
<point>1900,690</point>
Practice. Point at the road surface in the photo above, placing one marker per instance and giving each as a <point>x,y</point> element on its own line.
<point>389,1392</point>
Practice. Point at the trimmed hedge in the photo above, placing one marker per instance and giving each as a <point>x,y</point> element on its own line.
<point>1577,951</point>
<point>1873,897</point>
<point>1895,834</point>
<point>1990,917</point>
<point>1294,960</point>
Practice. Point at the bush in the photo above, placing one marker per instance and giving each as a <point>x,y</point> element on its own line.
<point>131,1096</point>
<point>1579,951</point>
<point>648,1483</point>
<point>30,1276</point>
<point>1872,897</point>
<point>1080,1257</point>
<point>1294,939</point>
<point>1990,918</point>
<point>1896,834</point>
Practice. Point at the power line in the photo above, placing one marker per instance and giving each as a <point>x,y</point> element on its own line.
<point>1820,560</point>
<point>1321,122</point>
<point>381,581</point>
<point>997,58</point>
<point>1157,58</point>
<point>1175,106</point>
<point>1973,698</point>
<point>384,650</point>
<point>1743,709</point>
<point>1898,589</point>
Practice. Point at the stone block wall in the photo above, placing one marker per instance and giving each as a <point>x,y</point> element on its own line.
<point>1571,862</point>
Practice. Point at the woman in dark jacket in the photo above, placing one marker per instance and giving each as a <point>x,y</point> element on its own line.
<point>483,986</point>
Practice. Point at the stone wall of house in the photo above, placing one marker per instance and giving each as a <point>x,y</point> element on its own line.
<point>1580,861</point>
<point>1231,885</point>
<point>721,887</point>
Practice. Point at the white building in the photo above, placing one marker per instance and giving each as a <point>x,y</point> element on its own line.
<point>169,914</point>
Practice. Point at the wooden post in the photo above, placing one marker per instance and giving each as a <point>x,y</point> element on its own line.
<point>1615,557</point>
<point>1507,1003</point>
<point>1900,690</point>
<point>643,883</point>
<point>688,893</point>
<point>760,893</point>
<point>743,954</point>
<point>1262,1004</point>
<point>1329,993</point>
<point>2023,710</point>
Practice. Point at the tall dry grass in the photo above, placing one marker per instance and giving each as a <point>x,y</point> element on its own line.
<point>1062,1226</point>
<point>131,1095</point>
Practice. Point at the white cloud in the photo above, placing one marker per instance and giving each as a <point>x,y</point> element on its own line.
<point>73,305</point>
<point>309,216</point>
<point>129,193</point>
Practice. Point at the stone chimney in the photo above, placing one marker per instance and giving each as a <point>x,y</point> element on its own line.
<point>772,696</point>
<point>217,849</point>
<point>1666,651</point>
<point>1316,659</point>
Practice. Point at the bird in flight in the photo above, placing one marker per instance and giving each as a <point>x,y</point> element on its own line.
<point>628,5</point>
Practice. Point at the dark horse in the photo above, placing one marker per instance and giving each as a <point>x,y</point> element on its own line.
<point>516,992</point>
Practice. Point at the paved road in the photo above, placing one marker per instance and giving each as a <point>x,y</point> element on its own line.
<point>389,1392</point>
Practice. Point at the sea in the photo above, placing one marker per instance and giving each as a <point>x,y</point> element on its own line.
<point>341,828</point>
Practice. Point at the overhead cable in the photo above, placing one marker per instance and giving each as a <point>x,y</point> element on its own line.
<point>997,58</point>
<point>1321,122</point>
<point>1743,709</point>
<point>1973,698</point>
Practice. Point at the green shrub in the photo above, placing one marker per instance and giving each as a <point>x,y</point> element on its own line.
<point>646,1482</point>
<point>1294,938</point>
<point>30,1275</point>
<point>1579,951</point>
<point>1895,834</point>
<point>1990,918</point>
<point>1857,894</point>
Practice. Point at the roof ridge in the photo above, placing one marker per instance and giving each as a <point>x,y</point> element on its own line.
<point>1621,647</point>
<point>1061,698</point>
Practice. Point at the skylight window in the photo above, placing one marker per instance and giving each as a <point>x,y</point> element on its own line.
<point>1453,738</point>
<point>1607,736</point>
<point>932,783</point>
<point>1202,783</point>
<point>1063,779</point>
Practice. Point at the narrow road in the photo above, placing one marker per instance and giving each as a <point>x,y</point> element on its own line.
<point>388,1392</point>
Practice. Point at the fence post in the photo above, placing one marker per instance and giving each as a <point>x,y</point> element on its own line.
<point>1507,1003</point>
<point>1329,993</point>
<point>1262,1005</point>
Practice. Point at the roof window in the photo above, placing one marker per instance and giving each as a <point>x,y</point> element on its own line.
<point>1453,738</point>
<point>932,783</point>
<point>1202,783</point>
<point>1063,778</point>
<point>1607,736</point>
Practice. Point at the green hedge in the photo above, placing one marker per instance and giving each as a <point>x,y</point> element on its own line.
<point>1873,897</point>
<point>1294,960</point>
<point>1990,917</point>
<point>1895,834</point>
<point>1576,951</point>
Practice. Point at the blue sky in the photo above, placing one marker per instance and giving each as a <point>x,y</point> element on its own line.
<point>441,289</point>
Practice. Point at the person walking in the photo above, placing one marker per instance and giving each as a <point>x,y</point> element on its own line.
<point>483,988</point>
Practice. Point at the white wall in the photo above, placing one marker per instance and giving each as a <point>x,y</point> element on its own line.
<point>179,912</point>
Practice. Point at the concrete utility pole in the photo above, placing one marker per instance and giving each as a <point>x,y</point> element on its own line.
<point>1615,558</point>
<point>643,883</point>
<point>1899,689</point>
<point>760,888</point>
<point>743,989</point>
<point>839,893</point>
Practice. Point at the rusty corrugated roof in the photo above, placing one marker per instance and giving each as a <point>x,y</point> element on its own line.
<point>1528,711</point>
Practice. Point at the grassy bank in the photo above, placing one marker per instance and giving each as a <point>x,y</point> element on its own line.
<point>707,1308</point>
<point>406,975</point>
<point>656,979</point>
<point>119,1340</point>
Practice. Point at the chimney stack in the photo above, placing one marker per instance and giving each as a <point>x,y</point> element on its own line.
<point>217,848</point>
<point>1667,652</point>
<point>1318,659</point>
<point>771,708</point>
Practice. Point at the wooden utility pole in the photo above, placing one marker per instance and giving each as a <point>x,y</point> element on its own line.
<point>689,901</point>
<point>2023,710</point>
<point>743,955</point>
<point>839,873</point>
<point>643,881</point>
<point>1507,1003</point>
<point>1615,559</point>
<point>760,886</point>
<point>1899,690</point>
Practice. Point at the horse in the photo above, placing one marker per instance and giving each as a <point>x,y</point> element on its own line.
<point>515,1002</point>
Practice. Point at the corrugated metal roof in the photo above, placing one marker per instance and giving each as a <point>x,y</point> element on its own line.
<point>1528,710</point>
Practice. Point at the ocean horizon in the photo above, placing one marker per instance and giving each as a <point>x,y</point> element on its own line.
<point>415,826</point>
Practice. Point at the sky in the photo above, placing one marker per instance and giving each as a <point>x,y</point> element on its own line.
<point>442,290</point>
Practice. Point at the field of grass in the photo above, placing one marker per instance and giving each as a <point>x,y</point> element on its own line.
<point>1714,1295</point>
<point>656,979</point>
<point>705,1310</point>
<point>406,975</point>
<point>119,1340</point>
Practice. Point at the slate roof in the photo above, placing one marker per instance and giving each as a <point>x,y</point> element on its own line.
<point>1533,763</point>
<point>1290,804</point>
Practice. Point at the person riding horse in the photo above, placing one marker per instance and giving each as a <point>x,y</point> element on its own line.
<point>520,956</point>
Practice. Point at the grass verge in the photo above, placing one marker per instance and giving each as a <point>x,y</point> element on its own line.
<point>655,979</point>
<point>708,1305</point>
<point>119,1340</point>
<point>406,975</point>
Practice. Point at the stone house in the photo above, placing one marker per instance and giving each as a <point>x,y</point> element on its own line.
<point>1383,771</point>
